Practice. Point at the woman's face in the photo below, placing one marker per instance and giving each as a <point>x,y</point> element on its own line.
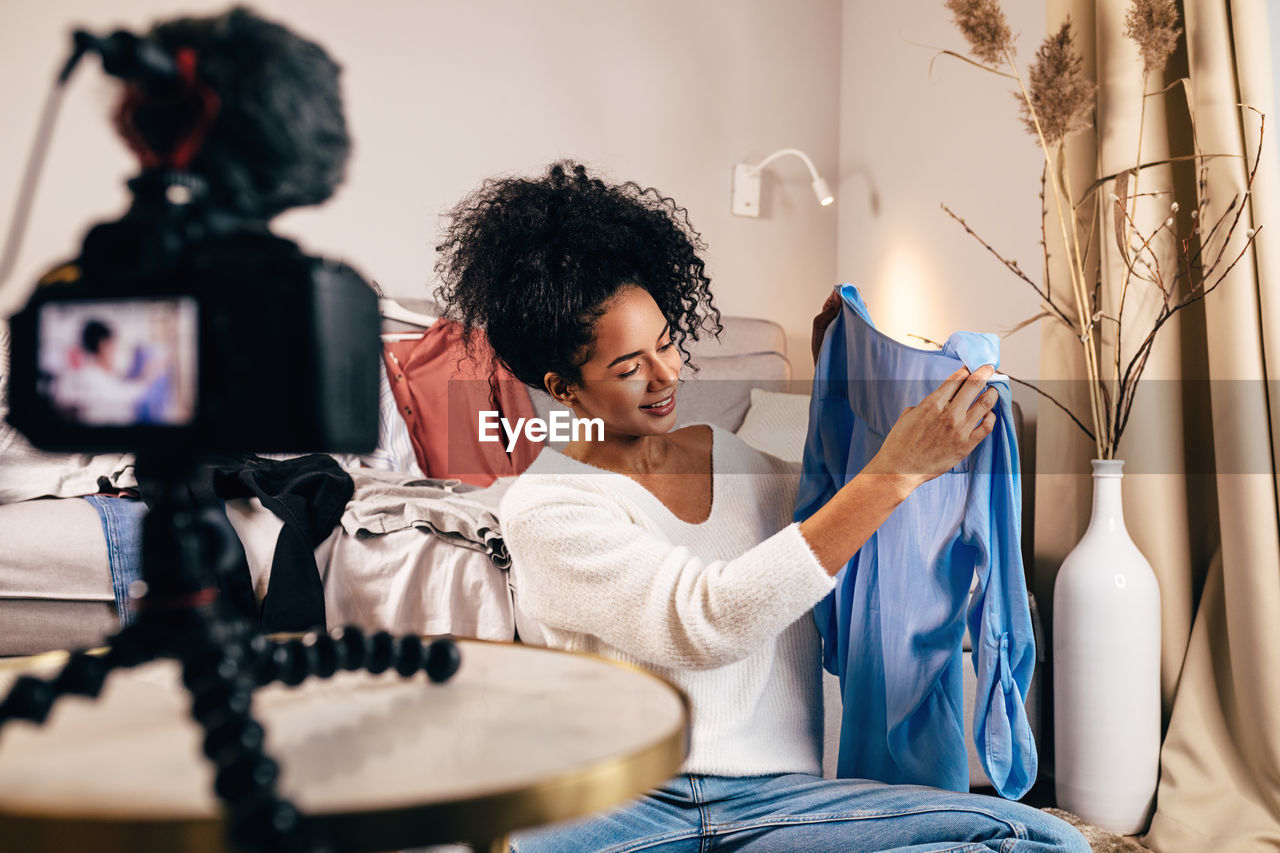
<point>630,379</point>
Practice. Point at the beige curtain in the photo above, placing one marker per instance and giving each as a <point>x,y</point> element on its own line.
<point>1200,490</point>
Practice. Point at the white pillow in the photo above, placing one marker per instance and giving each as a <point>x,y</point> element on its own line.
<point>777,423</point>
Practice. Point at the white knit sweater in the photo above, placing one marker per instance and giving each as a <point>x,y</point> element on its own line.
<point>721,609</point>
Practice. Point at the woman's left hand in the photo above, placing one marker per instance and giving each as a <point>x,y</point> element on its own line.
<point>822,319</point>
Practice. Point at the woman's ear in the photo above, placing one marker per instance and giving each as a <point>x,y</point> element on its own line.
<point>560,389</point>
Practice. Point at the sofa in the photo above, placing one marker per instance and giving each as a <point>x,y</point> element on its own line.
<point>55,584</point>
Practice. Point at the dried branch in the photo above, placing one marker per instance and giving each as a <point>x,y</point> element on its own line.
<point>1088,244</point>
<point>1018,327</point>
<point>1235,211</point>
<point>1156,277</point>
<point>962,58</point>
<point>1139,361</point>
<point>1181,81</point>
<point>1012,266</point>
<point>1106,406</point>
<point>1096,299</point>
<point>1044,237</point>
<point>1235,206</point>
<point>1151,164</point>
<point>930,341</point>
<point>1149,342</point>
<point>1054,400</point>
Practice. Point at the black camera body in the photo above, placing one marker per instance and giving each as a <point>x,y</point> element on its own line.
<point>183,330</point>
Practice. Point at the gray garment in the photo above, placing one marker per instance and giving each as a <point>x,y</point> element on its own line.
<point>387,501</point>
<point>27,473</point>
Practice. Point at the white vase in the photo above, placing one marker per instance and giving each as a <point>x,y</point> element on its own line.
<point>1106,670</point>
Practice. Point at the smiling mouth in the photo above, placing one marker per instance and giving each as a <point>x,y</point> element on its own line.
<point>663,403</point>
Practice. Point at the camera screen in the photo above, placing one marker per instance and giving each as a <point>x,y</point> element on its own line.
<point>122,362</point>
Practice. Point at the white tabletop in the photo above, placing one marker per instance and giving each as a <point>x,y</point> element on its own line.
<point>519,736</point>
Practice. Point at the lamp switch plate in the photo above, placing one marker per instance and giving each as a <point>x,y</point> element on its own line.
<point>746,191</point>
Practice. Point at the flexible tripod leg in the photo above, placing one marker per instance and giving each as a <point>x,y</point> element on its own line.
<point>31,698</point>
<point>321,655</point>
<point>218,671</point>
<point>222,671</point>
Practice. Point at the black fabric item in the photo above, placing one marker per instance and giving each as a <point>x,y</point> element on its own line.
<point>308,494</point>
<point>235,584</point>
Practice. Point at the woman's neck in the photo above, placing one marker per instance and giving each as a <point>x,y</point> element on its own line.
<point>624,454</point>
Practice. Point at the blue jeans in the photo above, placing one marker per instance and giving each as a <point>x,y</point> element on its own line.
<point>796,812</point>
<point>122,528</point>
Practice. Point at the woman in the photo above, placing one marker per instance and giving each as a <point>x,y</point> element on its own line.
<point>673,549</point>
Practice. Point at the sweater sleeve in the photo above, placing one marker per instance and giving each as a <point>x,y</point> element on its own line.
<point>585,567</point>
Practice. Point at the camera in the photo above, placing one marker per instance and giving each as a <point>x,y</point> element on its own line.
<point>176,331</point>
<point>187,327</point>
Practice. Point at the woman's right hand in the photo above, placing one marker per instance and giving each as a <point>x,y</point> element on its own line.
<point>932,437</point>
<point>928,439</point>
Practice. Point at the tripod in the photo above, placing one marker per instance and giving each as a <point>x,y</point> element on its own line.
<point>185,545</point>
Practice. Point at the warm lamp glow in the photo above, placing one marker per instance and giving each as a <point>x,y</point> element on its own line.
<point>905,296</point>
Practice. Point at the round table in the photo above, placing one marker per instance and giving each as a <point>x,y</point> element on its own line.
<point>519,737</point>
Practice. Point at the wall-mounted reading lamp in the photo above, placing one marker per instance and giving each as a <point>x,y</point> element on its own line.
<point>746,183</point>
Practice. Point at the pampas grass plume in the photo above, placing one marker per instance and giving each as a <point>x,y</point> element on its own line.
<point>983,25</point>
<point>1153,24</point>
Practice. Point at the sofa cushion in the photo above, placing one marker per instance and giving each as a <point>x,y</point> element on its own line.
<point>777,423</point>
<point>55,584</point>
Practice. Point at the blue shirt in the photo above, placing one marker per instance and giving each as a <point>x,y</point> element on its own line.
<point>894,624</point>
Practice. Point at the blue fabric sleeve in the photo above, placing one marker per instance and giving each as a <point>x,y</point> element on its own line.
<point>999,620</point>
<point>818,483</point>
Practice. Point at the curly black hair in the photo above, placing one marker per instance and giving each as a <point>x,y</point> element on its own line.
<point>533,263</point>
<point>94,333</point>
<point>280,138</point>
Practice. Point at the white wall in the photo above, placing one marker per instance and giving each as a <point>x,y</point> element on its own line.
<point>669,93</point>
<point>920,140</point>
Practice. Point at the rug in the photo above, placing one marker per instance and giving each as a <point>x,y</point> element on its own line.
<point>1100,840</point>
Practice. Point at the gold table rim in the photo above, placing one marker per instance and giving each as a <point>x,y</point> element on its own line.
<point>575,792</point>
